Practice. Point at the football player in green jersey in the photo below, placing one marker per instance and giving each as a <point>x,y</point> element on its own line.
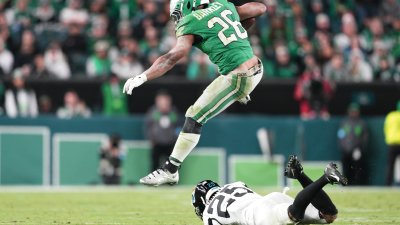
<point>214,27</point>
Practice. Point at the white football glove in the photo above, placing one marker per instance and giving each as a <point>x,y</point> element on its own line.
<point>133,82</point>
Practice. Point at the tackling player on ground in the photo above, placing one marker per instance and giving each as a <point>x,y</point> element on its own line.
<point>214,27</point>
<point>237,204</point>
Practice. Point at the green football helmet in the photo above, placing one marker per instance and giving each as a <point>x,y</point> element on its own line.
<point>181,8</point>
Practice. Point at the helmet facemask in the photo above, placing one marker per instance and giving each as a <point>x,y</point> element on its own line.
<point>180,8</point>
<point>202,195</point>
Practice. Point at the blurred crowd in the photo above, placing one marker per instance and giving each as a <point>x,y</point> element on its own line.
<point>316,42</point>
<point>348,40</point>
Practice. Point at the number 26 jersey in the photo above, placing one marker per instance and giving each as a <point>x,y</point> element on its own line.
<point>219,34</point>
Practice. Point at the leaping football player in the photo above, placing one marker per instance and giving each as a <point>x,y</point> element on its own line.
<point>213,26</point>
<point>235,203</point>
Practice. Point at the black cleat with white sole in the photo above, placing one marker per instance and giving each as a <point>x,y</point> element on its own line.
<point>293,168</point>
<point>333,175</point>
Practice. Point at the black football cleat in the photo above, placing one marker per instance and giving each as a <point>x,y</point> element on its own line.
<point>333,175</point>
<point>293,168</point>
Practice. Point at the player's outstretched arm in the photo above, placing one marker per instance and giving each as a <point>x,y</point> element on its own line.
<point>162,65</point>
<point>251,10</point>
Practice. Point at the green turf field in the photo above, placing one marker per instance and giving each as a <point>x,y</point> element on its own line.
<point>165,206</point>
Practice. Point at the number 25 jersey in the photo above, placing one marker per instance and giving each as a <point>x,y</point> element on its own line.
<point>219,34</point>
<point>236,204</point>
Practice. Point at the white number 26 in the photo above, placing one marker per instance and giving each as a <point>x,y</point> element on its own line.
<point>225,25</point>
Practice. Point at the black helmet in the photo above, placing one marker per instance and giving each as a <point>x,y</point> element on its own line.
<point>201,194</point>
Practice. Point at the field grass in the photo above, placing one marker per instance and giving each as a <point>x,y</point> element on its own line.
<point>165,206</point>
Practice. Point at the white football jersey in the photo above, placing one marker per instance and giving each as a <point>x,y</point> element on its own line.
<point>236,204</point>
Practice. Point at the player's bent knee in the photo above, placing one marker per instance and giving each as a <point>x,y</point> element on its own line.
<point>329,218</point>
<point>192,126</point>
<point>294,215</point>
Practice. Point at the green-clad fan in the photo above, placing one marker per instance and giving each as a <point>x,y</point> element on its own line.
<point>215,27</point>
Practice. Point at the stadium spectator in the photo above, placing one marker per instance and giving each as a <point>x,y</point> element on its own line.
<point>168,40</point>
<point>366,9</point>
<point>74,14</point>
<point>98,64</point>
<point>323,25</point>
<point>314,9</point>
<point>358,69</point>
<point>389,11</point>
<point>114,101</point>
<point>353,141</point>
<point>44,12</point>
<point>324,50</point>
<point>124,30</point>
<point>26,50</point>
<point>395,51</point>
<point>354,47</point>
<point>277,34</point>
<point>56,62</point>
<point>313,92</point>
<point>126,65</point>
<point>283,66</point>
<point>45,105</point>
<point>39,69</point>
<point>382,62</point>
<point>392,138</point>
<point>125,44</point>
<point>150,45</point>
<point>335,69</point>
<point>19,16</point>
<point>6,60</point>
<point>20,100</point>
<point>75,47</point>
<point>374,33</point>
<point>349,31</point>
<point>98,32</point>
<point>97,10</point>
<point>152,15</point>
<point>162,121</point>
<point>4,31</point>
<point>73,107</point>
<point>4,5</point>
<point>123,9</point>
<point>110,166</point>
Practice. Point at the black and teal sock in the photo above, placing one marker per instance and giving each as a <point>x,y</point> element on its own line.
<point>172,165</point>
<point>304,180</point>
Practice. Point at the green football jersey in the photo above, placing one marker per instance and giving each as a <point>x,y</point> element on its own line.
<point>223,38</point>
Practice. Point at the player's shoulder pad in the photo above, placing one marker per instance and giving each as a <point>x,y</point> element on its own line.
<point>184,26</point>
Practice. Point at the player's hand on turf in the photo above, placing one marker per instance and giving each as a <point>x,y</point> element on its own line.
<point>133,82</point>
